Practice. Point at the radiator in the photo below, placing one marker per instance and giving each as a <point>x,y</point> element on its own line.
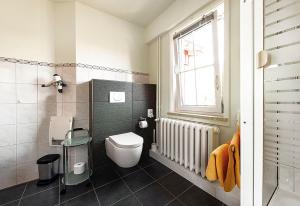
<point>188,144</point>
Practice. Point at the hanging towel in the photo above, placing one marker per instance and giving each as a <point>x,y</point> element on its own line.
<point>233,169</point>
<point>217,164</point>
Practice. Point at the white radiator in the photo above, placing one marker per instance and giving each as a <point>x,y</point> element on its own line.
<point>189,144</point>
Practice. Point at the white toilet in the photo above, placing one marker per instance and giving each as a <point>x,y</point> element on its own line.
<point>124,149</point>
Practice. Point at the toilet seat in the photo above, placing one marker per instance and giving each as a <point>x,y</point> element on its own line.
<point>126,140</point>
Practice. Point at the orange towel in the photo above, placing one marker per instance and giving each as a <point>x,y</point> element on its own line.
<point>233,169</point>
<point>217,164</point>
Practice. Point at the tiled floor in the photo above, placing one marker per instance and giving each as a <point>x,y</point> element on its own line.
<point>149,184</point>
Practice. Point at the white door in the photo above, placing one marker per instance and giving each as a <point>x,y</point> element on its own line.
<point>277,102</point>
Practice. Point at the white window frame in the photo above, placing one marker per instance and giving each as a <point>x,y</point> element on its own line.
<point>222,99</point>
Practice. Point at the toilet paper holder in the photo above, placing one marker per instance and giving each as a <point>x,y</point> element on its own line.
<point>143,123</point>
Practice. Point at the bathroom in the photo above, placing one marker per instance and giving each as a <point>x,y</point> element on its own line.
<point>121,102</point>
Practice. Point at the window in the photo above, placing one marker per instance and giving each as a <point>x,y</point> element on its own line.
<point>199,64</point>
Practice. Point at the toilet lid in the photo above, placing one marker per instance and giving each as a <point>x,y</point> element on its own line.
<point>127,140</point>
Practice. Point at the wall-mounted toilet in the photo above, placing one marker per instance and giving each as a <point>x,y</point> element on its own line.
<point>124,149</point>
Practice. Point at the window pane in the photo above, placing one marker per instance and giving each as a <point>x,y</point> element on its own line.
<point>205,83</point>
<point>203,43</point>
<point>186,52</point>
<point>188,88</point>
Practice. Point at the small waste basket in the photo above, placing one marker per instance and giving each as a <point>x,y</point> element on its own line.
<point>48,168</point>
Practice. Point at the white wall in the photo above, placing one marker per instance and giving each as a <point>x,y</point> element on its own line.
<point>103,39</point>
<point>173,15</point>
<point>226,131</point>
<point>65,36</point>
<point>27,29</point>
<point>60,32</point>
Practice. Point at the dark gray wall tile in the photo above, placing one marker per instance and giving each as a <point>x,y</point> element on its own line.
<point>101,89</point>
<point>144,92</point>
<point>109,119</point>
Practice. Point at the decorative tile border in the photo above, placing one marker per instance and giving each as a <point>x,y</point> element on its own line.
<point>88,66</point>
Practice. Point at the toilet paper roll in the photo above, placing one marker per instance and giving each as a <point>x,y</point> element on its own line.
<point>79,168</point>
<point>143,124</point>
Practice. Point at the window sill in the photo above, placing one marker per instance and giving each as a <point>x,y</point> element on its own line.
<point>201,118</point>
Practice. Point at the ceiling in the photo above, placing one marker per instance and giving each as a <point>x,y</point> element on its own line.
<point>141,12</point>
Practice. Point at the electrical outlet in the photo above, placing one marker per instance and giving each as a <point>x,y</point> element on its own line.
<point>150,113</point>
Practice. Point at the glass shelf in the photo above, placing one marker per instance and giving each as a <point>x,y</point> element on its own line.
<point>73,179</point>
<point>76,141</point>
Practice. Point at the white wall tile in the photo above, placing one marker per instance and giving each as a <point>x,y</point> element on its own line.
<point>44,149</point>
<point>27,172</point>
<point>297,181</point>
<point>84,123</point>
<point>8,177</point>
<point>26,133</point>
<point>82,92</point>
<point>45,74</point>
<point>69,75</point>
<point>26,93</point>
<point>7,114</point>
<point>286,178</point>
<point>26,113</point>
<point>69,109</point>
<point>82,110</point>
<point>59,111</point>
<point>45,111</point>
<point>8,93</point>
<point>82,75</point>
<point>69,93</point>
<point>8,72</point>
<point>26,152</point>
<point>8,156</point>
<point>26,73</point>
<point>47,94</point>
<point>7,135</point>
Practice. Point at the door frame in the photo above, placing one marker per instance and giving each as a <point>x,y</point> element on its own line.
<point>251,94</point>
<point>247,101</point>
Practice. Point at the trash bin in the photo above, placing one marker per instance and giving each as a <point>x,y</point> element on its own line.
<point>48,168</point>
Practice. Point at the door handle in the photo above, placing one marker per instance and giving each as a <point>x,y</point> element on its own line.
<point>263,59</point>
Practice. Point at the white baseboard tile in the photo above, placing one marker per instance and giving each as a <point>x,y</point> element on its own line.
<point>229,198</point>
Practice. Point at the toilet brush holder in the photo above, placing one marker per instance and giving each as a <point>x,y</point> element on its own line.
<point>153,147</point>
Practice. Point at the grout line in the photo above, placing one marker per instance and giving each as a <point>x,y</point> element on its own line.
<point>22,194</point>
<point>77,196</point>
<point>95,193</point>
<point>7,203</point>
<point>132,193</point>
<point>123,198</point>
<point>96,188</point>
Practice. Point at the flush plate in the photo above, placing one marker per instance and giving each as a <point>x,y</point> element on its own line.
<point>117,97</point>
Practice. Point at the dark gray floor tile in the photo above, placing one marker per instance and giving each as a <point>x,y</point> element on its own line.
<point>175,183</point>
<point>125,171</point>
<point>154,195</point>
<point>175,203</point>
<point>129,201</point>
<point>138,180</point>
<point>73,191</point>
<point>157,170</point>
<point>195,197</point>
<point>112,192</point>
<point>88,199</point>
<point>33,188</point>
<point>11,193</point>
<point>46,198</point>
<point>13,203</point>
<point>104,175</point>
<point>146,161</point>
